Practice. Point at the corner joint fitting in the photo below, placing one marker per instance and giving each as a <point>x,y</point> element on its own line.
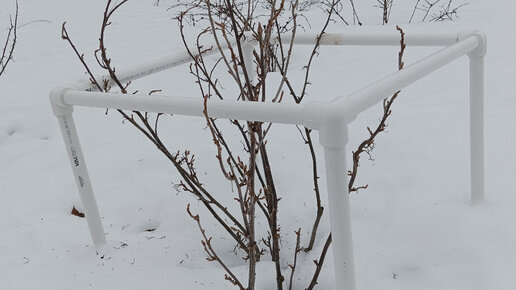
<point>331,122</point>
<point>59,106</point>
<point>481,49</point>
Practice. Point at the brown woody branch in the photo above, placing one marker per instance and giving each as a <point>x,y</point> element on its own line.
<point>319,263</point>
<point>10,41</point>
<point>296,252</point>
<point>212,255</point>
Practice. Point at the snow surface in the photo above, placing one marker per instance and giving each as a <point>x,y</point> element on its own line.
<point>413,226</point>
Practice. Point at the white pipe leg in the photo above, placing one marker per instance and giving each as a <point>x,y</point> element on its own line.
<point>477,127</point>
<point>340,218</point>
<point>82,179</point>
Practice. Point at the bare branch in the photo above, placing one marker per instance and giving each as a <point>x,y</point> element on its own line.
<point>315,177</point>
<point>355,14</point>
<point>10,41</point>
<point>296,251</point>
<point>319,263</point>
<point>212,255</point>
<point>368,144</point>
<point>65,36</point>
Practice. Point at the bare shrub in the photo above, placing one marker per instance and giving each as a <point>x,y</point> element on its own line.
<point>235,25</point>
<point>249,45</point>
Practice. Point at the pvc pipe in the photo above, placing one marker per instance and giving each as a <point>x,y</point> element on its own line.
<point>150,67</point>
<point>238,110</point>
<point>347,38</point>
<point>82,179</point>
<point>376,92</point>
<point>477,128</point>
<point>340,217</point>
<point>384,38</point>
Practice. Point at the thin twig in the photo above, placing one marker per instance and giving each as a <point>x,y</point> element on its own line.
<point>212,255</point>
<point>12,37</point>
<point>296,251</point>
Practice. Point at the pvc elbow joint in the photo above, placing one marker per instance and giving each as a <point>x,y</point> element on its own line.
<point>59,106</point>
<point>481,49</point>
<point>331,122</point>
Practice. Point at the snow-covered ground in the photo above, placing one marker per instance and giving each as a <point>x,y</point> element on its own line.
<point>413,226</point>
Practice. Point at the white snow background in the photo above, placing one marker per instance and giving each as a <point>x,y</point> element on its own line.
<point>413,226</point>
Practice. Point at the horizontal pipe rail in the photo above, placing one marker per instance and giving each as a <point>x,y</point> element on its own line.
<point>149,68</point>
<point>364,38</point>
<point>227,109</point>
<point>390,38</point>
<point>376,92</point>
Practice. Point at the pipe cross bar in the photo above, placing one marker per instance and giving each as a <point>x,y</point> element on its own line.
<point>371,95</point>
<point>153,66</point>
<point>374,38</point>
<point>364,38</point>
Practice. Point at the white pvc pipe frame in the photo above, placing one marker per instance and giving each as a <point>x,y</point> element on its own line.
<point>331,119</point>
